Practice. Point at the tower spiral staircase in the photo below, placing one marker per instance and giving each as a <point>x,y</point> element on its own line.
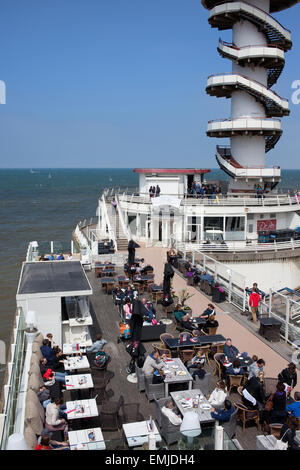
<point>257,52</point>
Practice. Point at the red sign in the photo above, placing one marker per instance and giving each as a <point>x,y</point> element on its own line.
<point>266,225</point>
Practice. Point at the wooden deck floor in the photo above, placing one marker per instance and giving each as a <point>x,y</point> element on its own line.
<point>106,320</point>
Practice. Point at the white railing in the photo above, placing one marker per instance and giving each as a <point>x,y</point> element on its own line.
<point>233,283</point>
<point>240,246</point>
<point>111,233</point>
<point>125,228</point>
<point>221,200</point>
<point>14,373</point>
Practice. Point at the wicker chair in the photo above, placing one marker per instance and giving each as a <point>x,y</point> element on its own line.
<point>100,384</point>
<point>153,390</point>
<point>202,384</point>
<point>161,350</point>
<point>218,370</point>
<point>141,378</point>
<point>109,415</point>
<point>204,351</point>
<point>168,431</point>
<point>245,415</point>
<point>186,355</point>
<point>230,426</point>
<point>162,338</point>
<point>212,330</point>
<point>131,413</point>
<point>187,333</point>
<point>234,381</point>
<point>270,385</point>
<point>275,429</point>
<point>177,325</point>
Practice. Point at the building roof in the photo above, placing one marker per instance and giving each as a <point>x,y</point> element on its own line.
<point>275,5</point>
<point>53,277</point>
<point>176,171</point>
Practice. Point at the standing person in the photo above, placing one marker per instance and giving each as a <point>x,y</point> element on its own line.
<point>151,192</point>
<point>168,275</point>
<point>131,252</point>
<point>254,301</point>
<point>157,191</point>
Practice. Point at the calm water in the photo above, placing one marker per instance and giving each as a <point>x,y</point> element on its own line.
<point>34,206</point>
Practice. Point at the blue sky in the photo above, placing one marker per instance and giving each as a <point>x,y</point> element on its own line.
<point>120,83</point>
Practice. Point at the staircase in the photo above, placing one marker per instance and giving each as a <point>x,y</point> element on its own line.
<point>122,242</point>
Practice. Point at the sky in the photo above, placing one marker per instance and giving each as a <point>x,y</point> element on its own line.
<point>120,83</point>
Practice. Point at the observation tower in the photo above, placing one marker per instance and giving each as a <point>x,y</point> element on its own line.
<point>257,52</point>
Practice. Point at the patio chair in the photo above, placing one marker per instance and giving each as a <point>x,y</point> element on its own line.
<point>100,384</point>
<point>186,355</point>
<point>109,416</point>
<point>153,390</point>
<point>218,366</point>
<point>162,338</point>
<point>168,431</point>
<point>230,426</point>
<point>141,378</point>
<point>187,333</point>
<point>270,385</point>
<point>161,350</point>
<point>177,325</point>
<point>275,429</point>
<point>131,413</point>
<point>212,330</point>
<point>235,381</point>
<point>202,384</point>
<point>204,351</point>
<point>245,415</point>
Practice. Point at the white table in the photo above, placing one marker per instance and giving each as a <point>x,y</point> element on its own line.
<point>176,372</point>
<point>181,399</point>
<point>74,409</point>
<point>137,433</point>
<point>79,440</point>
<point>79,382</point>
<point>76,362</point>
<point>68,349</point>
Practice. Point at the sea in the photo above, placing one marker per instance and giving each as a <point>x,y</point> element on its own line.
<point>46,205</point>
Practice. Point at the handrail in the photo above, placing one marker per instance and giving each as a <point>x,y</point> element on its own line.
<point>261,118</point>
<point>125,228</point>
<point>234,46</point>
<point>228,158</point>
<point>265,89</point>
<point>238,247</point>
<point>255,8</point>
<point>110,230</point>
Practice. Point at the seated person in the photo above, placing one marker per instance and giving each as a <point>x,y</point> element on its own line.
<point>288,433</point>
<point>294,408</point>
<point>199,358</point>
<point>158,377</point>
<point>170,411</point>
<point>47,351</point>
<point>61,256</point>
<point>211,322</point>
<point>219,395</point>
<point>289,375</point>
<point>50,376</point>
<point>58,361</point>
<point>51,257</point>
<point>53,420</point>
<point>223,415</point>
<point>44,396</point>
<point>256,368</point>
<point>97,345</point>
<point>209,311</point>
<point>46,443</point>
<point>149,313</point>
<point>253,395</point>
<point>186,322</point>
<point>152,363</point>
<point>197,277</point>
<point>178,312</point>
<point>189,273</point>
<point>199,372</point>
<point>230,351</point>
<point>235,369</point>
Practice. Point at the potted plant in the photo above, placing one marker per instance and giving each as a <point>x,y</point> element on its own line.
<point>185,295</point>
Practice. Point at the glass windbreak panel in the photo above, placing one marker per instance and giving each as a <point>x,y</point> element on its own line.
<point>235,228</point>
<point>61,247</point>
<point>44,248</point>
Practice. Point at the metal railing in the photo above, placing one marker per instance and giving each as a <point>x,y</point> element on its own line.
<point>111,233</point>
<point>222,200</point>
<point>14,374</point>
<point>240,246</point>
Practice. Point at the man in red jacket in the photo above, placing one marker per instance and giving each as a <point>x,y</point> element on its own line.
<point>254,300</point>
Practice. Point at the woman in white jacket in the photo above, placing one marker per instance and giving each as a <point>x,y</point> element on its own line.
<point>53,420</point>
<point>219,395</point>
